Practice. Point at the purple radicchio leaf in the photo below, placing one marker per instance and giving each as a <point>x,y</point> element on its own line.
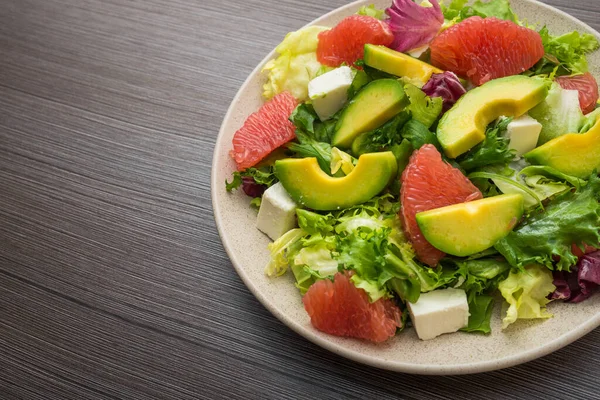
<point>251,188</point>
<point>445,85</point>
<point>413,25</point>
<point>581,282</point>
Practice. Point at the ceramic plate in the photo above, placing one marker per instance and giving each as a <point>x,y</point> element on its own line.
<point>458,353</point>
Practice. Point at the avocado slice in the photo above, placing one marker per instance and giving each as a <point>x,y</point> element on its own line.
<point>468,228</point>
<point>308,185</point>
<point>373,105</point>
<point>576,154</point>
<point>463,126</point>
<point>399,64</point>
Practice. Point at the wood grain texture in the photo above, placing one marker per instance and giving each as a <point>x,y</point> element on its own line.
<point>113,280</point>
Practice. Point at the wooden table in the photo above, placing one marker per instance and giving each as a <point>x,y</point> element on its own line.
<point>113,280</point>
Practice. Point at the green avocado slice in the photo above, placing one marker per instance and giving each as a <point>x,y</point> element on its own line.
<point>308,185</point>
<point>468,228</point>
<point>576,154</point>
<point>376,103</point>
<point>463,126</point>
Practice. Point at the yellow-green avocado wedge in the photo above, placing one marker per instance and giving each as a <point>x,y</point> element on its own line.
<point>399,64</point>
<point>468,228</point>
<point>372,106</point>
<point>576,154</point>
<point>463,126</point>
<point>308,185</point>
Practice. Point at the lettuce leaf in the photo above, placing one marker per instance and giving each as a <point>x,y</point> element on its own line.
<point>458,10</point>
<point>296,64</point>
<point>480,310</point>
<point>493,150</point>
<point>559,113</point>
<point>445,85</point>
<point>418,135</point>
<point>423,108</point>
<point>567,51</point>
<point>526,294</point>
<point>371,11</point>
<point>383,137</point>
<point>572,217</point>
<point>412,24</point>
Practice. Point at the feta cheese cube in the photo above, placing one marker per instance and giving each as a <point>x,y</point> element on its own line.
<point>440,311</point>
<point>277,213</point>
<point>523,133</point>
<point>329,92</point>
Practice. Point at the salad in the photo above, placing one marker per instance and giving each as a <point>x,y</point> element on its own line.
<point>417,164</point>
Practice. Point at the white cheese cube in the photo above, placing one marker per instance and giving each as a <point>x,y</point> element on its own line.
<point>440,311</point>
<point>329,92</point>
<point>277,213</point>
<point>523,133</point>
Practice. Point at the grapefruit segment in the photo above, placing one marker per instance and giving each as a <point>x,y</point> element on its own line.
<point>264,131</point>
<point>483,49</point>
<point>587,87</point>
<point>339,308</point>
<point>428,182</point>
<point>345,42</point>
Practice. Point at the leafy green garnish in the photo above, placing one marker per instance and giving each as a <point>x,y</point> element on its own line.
<point>572,217</point>
<point>371,11</point>
<point>418,135</point>
<point>381,138</point>
<point>526,293</point>
<point>480,310</point>
<point>458,10</point>
<point>305,118</point>
<point>262,176</point>
<point>567,51</point>
<point>423,108</point>
<point>493,150</point>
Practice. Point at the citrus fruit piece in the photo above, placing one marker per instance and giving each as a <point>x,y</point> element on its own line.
<point>345,42</point>
<point>264,131</point>
<point>483,49</point>
<point>339,308</point>
<point>428,182</point>
<point>587,87</point>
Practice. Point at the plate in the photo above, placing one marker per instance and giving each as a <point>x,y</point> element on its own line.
<point>458,353</point>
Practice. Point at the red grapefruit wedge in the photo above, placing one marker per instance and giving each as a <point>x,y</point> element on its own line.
<point>339,308</point>
<point>428,182</point>
<point>587,87</point>
<point>483,49</point>
<point>264,131</point>
<point>345,42</point>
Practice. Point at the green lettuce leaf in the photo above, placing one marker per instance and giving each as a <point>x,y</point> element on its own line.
<point>480,310</point>
<point>526,294</point>
<point>572,217</point>
<point>381,138</point>
<point>305,118</point>
<point>568,50</point>
<point>559,113</point>
<point>296,64</point>
<point>423,108</point>
<point>589,120</point>
<point>371,11</point>
<point>263,176</point>
<point>494,8</point>
<point>493,150</point>
<point>281,249</point>
<point>453,9</point>
<point>418,135</point>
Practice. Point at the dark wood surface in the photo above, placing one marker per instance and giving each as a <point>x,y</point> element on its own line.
<point>113,280</point>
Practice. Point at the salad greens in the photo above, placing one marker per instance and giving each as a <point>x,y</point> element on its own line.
<point>526,294</point>
<point>537,261</point>
<point>296,64</point>
<point>571,218</point>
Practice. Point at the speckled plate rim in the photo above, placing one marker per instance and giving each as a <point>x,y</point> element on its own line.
<point>424,369</point>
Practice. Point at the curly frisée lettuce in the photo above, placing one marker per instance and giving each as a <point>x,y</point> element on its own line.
<point>543,237</point>
<point>526,294</point>
<point>366,239</point>
<point>296,64</point>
